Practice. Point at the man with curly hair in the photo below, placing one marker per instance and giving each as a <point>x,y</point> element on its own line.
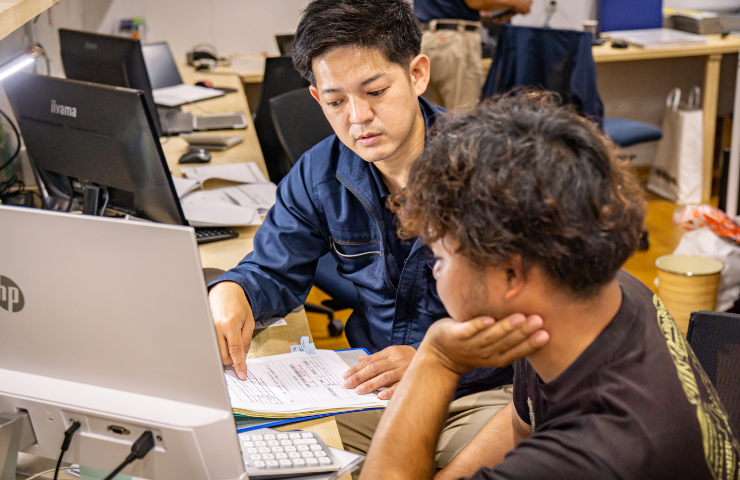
<point>531,214</point>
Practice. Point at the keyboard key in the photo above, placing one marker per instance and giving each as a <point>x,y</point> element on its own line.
<point>294,435</point>
<point>307,435</point>
<point>294,455</point>
<point>324,461</point>
<point>281,456</point>
<point>300,441</point>
<point>270,437</point>
<point>307,454</point>
<point>311,441</point>
<point>290,448</point>
<point>319,454</point>
<point>286,443</point>
<point>272,464</point>
<point>299,462</point>
<point>286,463</point>
<point>248,444</point>
<point>255,456</point>
<point>256,437</point>
<point>260,444</point>
<point>252,450</point>
<point>312,462</point>
<point>264,450</point>
<point>302,448</point>
<point>268,456</point>
<point>277,450</point>
<point>282,436</point>
<point>273,443</point>
<point>315,447</point>
<point>259,464</point>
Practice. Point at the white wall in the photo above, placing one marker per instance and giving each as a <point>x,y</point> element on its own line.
<point>568,14</point>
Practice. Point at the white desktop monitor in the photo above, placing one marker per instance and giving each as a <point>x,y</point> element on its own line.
<point>109,325</point>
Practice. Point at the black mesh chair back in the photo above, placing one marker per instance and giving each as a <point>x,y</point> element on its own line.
<point>715,339</point>
<point>299,121</point>
<point>285,44</point>
<point>280,77</point>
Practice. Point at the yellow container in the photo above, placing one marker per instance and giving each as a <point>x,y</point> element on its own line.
<point>687,283</point>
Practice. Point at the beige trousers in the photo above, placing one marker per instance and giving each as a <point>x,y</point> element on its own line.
<point>457,75</point>
<point>465,418</point>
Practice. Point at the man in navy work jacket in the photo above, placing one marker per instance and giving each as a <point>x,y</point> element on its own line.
<point>363,60</point>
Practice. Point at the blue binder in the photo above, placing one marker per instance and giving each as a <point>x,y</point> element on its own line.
<point>629,14</point>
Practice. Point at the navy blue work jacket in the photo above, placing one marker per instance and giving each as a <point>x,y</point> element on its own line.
<point>329,202</point>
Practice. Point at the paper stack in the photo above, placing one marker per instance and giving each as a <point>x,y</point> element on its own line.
<point>295,385</point>
<point>240,205</point>
<point>657,38</point>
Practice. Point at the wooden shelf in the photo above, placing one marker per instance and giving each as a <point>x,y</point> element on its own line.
<point>14,14</point>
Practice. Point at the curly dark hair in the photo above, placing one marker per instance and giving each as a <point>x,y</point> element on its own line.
<point>520,174</point>
<point>386,25</point>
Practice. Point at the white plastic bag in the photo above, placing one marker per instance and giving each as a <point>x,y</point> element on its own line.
<point>705,243</point>
<point>677,170</point>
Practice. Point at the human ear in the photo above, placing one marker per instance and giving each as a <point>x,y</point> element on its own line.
<point>419,72</point>
<point>314,93</point>
<point>515,278</point>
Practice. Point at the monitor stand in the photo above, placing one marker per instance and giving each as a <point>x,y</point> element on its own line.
<point>93,200</point>
<point>12,441</point>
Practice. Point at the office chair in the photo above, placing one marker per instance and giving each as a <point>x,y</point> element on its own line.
<point>285,44</point>
<point>300,124</point>
<point>715,339</point>
<point>280,77</point>
<point>560,61</point>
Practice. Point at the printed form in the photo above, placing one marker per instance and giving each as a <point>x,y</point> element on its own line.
<point>295,383</point>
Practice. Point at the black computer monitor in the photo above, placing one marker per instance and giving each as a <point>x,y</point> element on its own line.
<point>109,60</point>
<point>98,139</point>
<point>161,66</point>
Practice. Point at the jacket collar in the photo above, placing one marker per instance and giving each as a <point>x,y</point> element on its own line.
<point>355,173</point>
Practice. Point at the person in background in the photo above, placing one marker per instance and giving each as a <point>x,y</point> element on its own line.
<point>528,208</point>
<point>452,41</point>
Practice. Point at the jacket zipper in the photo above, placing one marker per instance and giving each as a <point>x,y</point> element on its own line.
<point>377,222</point>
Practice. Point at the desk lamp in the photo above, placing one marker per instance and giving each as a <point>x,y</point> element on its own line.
<point>23,60</point>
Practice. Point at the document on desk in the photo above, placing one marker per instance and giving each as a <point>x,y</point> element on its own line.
<point>181,94</point>
<point>295,384</point>
<point>247,172</point>
<point>236,206</point>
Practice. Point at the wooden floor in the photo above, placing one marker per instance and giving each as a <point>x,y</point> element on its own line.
<point>663,236</point>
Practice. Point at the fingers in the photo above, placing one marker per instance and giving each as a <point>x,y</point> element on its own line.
<point>517,328</point>
<point>385,379</point>
<point>238,354</point>
<point>533,343</point>
<point>370,371</point>
<point>362,364</point>
<point>388,392</point>
<point>469,329</point>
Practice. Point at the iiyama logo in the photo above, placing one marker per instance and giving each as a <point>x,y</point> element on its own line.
<point>90,46</point>
<point>63,110</point>
<point>11,296</point>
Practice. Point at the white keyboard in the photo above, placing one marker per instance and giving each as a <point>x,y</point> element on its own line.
<point>268,453</point>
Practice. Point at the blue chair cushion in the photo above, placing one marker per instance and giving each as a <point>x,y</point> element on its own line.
<point>626,133</point>
<point>339,289</point>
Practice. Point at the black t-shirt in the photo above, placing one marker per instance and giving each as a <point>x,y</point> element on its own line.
<point>635,404</point>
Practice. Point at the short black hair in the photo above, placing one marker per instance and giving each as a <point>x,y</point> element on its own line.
<point>386,25</point>
<point>521,174</point>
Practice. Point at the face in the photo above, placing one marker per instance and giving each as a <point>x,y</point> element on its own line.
<point>371,103</point>
<point>467,290</point>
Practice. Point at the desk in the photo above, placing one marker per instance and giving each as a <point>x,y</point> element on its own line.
<point>713,50</point>
<point>226,254</point>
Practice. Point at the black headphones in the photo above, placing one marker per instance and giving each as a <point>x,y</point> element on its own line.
<point>204,56</point>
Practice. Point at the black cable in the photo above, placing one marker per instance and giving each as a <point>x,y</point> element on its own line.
<point>71,195</point>
<point>17,136</point>
<point>141,447</point>
<point>65,444</point>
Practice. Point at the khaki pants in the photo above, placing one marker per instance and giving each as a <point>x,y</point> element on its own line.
<point>457,74</point>
<point>466,416</point>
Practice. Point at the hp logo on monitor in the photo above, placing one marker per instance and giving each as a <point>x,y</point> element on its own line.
<point>11,296</point>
